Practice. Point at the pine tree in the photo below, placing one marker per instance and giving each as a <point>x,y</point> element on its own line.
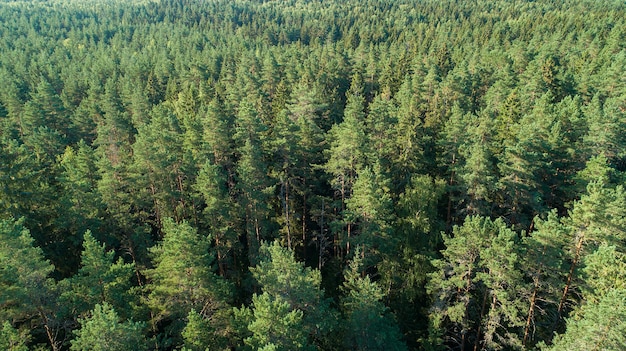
<point>275,325</point>
<point>45,109</point>
<point>597,218</point>
<point>370,325</point>
<point>604,134</point>
<point>542,261</point>
<point>370,209</point>
<point>219,214</point>
<point>103,331</point>
<point>253,182</point>
<point>82,207</point>
<point>182,279</point>
<point>295,291</point>
<point>200,335</point>
<point>26,290</point>
<point>409,131</point>
<point>161,167</point>
<point>600,327</point>
<point>476,288</point>
<point>99,280</point>
<point>12,339</point>
<point>346,156</point>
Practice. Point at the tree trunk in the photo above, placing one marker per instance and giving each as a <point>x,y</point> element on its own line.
<point>304,244</point>
<point>450,182</point>
<point>480,323</point>
<point>531,312</point>
<point>50,333</point>
<point>568,284</point>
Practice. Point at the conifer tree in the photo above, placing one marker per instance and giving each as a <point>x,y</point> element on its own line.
<point>81,203</point>
<point>292,293</point>
<point>370,325</point>
<point>26,290</point>
<point>99,280</point>
<point>253,182</point>
<point>346,156</point>
<point>161,167</point>
<point>182,279</point>
<point>476,288</point>
<point>597,218</point>
<point>12,339</point>
<point>542,261</point>
<point>103,331</point>
<point>200,335</point>
<point>219,214</point>
<point>601,326</point>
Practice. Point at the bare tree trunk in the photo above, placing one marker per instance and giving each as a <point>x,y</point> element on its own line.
<point>284,189</point>
<point>480,321</point>
<point>220,257</point>
<point>531,312</point>
<point>321,240</point>
<point>304,244</point>
<point>568,284</point>
<point>50,332</point>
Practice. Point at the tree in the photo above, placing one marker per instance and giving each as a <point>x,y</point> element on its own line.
<point>477,173</point>
<point>524,193</point>
<point>200,335</point>
<point>409,131</point>
<point>253,183</point>
<point>12,339</point>
<point>217,136</point>
<point>542,260</point>
<point>297,144</point>
<point>21,180</point>
<point>597,218</point>
<point>603,272</point>
<point>27,293</point>
<point>81,204</point>
<point>45,109</point>
<point>370,325</point>
<point>274,325</point>
<point>381,133</point>
<point>477,288</point>
<point>346,156</point>
<point>182,279</point>
<point>99,280</point>
<point>161,167</point>
<point>605,128</point>
<point>219,214</point>
<point>103,331</point>
<point>505,289</point>
<point>370,209</point>
<point>601,326</point>
<point>294,291</point>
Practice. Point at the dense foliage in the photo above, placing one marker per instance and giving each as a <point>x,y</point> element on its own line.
<point>303,175</point>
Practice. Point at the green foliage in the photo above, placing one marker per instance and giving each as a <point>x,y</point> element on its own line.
<point>183,279</point>
<point>599,327</point>
<point>25,275</point>
<point>380,124</point>
<point>292,288</point>
<point>12,339</point>
<point>276,325</point>
<point>27,293</point>
<point>103,331</point>
<point>369,326</point>
<point>477,287</point>
<point>100,279</point>
<point>200,335</point>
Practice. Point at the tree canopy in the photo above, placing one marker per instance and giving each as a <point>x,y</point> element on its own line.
<point>294,174</point>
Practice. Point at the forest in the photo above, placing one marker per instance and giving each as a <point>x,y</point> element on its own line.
<point>312,175</point>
